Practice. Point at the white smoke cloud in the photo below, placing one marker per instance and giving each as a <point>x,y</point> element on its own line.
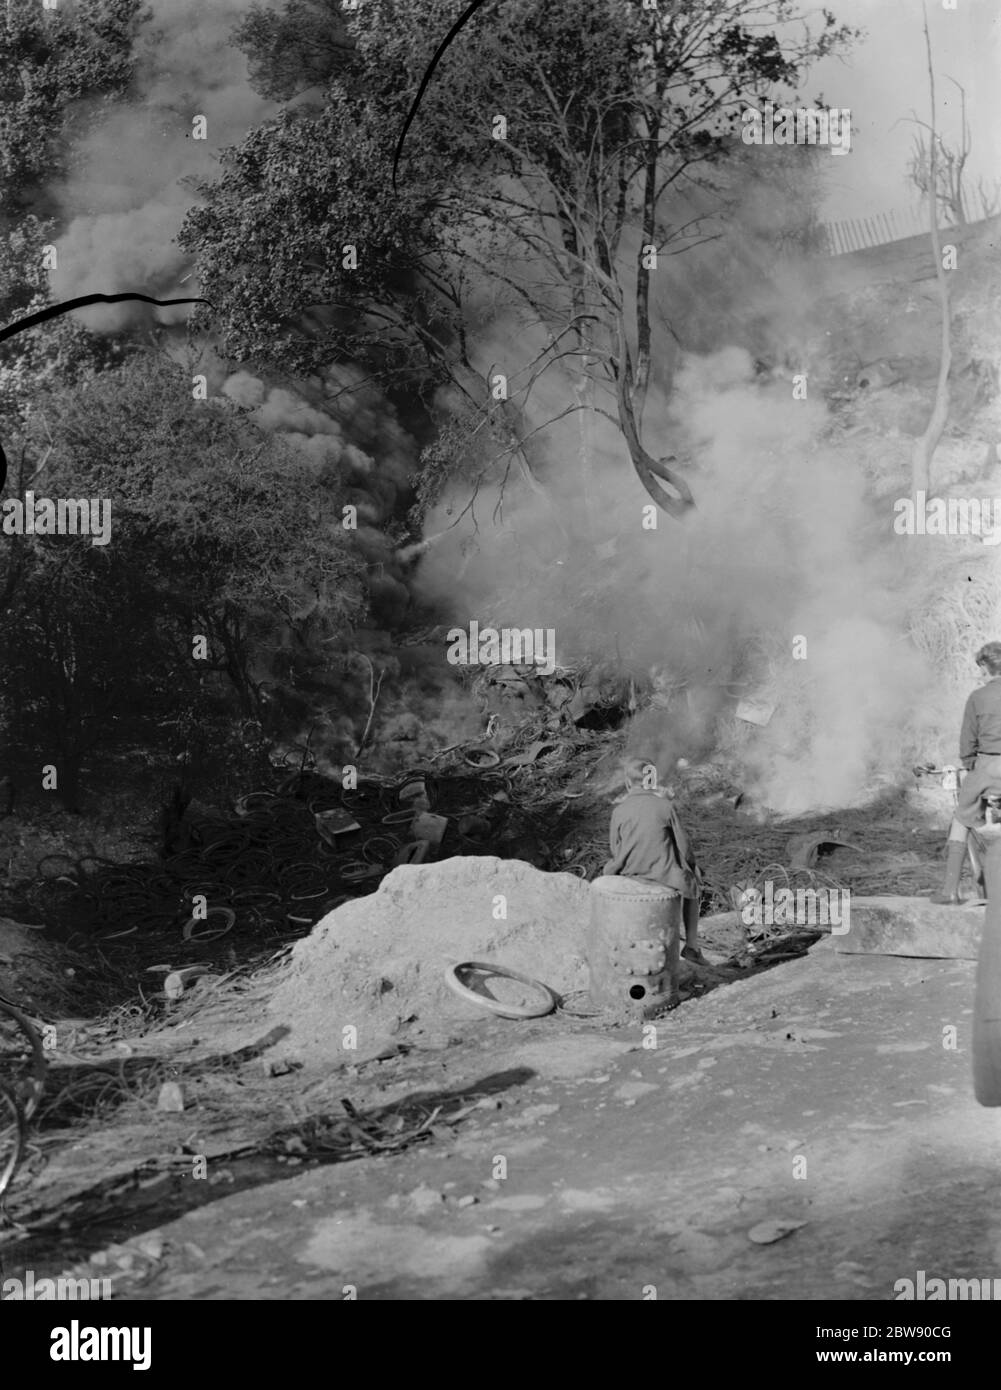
<point>785,543</point>
<point>245,389</point>
<point>125,202</point>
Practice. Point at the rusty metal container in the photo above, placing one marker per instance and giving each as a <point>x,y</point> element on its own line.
<point>633,945</point>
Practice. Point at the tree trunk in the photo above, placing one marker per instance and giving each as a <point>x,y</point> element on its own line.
<point>924,447</point>
<point>583,390</point>
<point>648,237</point>
<point>582,385</point>
<point>648,469</point>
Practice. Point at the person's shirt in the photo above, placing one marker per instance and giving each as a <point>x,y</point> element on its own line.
<point>647,841</point>
<point>981,731</point>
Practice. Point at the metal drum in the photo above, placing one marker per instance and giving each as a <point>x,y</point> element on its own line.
<point>633,945</point>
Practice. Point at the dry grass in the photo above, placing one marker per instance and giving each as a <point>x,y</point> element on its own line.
<point>959,609</point>
<point>899,851</point>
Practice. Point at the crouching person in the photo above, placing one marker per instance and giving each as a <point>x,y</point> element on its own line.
<point>648,842</point>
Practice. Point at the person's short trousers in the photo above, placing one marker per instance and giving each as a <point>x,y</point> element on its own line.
<point>985,776</point>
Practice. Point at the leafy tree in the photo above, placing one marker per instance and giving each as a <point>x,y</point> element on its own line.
<point>617,116</point>
<point>950,172</point>
<point>89,669</point>
<point>218,530</point>
<point>50,62</point>
<point>291,51</point>
<point>55,354</point>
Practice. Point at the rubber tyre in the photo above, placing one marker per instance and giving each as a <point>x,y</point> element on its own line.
<point>189,932</point>
<point>495,1006</point>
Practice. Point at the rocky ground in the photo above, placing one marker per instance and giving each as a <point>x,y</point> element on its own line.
<point>806,1132</point>
<point>227,1143</point>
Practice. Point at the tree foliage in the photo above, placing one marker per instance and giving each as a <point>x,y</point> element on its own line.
<point>614,114</point>
<point>218,531</point>
<point>54,354</point>
<point>293,50</point>
<point>52,62</point>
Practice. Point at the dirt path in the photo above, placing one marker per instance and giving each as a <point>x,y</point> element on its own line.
<point>820,1092</point>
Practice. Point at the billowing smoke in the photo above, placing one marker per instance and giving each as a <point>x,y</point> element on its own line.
<point>347,430</point>
<point>775,597</point>
<point>801,561</point>
<point>125,202</point>
<point>777,589</point>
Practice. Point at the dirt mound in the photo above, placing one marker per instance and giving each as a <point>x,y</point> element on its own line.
<point>376,964</point>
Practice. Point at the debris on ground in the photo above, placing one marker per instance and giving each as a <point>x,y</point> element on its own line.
<point>177,981</point>
<point>804,850</point>
<point>368,983</point>
<point>768,1232</point>
<point>171,1097</point>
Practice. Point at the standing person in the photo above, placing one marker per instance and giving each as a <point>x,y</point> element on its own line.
<point>980,754</point>
<point>647,842</point>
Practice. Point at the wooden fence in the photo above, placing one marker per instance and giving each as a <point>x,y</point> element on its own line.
<point>861,233</point>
